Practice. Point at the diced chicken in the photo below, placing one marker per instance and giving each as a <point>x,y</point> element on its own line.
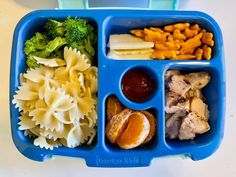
<point>198,80</point>
<point>173,124</point>
<point>200,108</point>
<point>173,131</point>
<point>179,85</point>
<point>186,113</point>
<point>192,125</point>
<point>169,74</point>
<point>194,93</point>
<point>175,103</point>
<point>167,116</point>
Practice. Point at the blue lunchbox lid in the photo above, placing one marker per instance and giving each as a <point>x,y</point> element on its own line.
<point>124,4</point>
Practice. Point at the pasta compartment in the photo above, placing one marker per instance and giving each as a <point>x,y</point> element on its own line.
<point>25,29</point>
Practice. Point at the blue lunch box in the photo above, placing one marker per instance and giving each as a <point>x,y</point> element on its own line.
<point>101,153</point>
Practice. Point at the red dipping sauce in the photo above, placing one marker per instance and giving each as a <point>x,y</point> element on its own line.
<point>137,85</point>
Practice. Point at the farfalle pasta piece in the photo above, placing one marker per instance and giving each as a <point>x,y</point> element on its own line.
<point>74,137</point>
<point>53,62</point>
<point>29,134</point>
<point>81,80</point>
<point>75,62</point>
<point>26,122</point>
<point>89,132</point>
<point>84,102</point>
<point>55,135</point>
<point>43,76</point>
<point>43,142</point>
<point>40,74</point>
<point>27,92</point>
<point>47,112</point>
<point>22,79</point>
<point>36,131</point>
<point>92,118</point>
<point>23,105</point>
<point>74,89</point>
<point>91,78</point>
<point>58,105</point>
<point>92,83</point>
<point>79,134</point>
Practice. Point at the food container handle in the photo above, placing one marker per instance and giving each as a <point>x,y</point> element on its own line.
<point>120,4</point>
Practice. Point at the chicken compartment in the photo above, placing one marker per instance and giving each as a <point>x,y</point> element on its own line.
<point>191,106</point>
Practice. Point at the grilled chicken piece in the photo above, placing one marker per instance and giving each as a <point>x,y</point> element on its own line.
<point>198,80</point>
<point>169,74</point>
<point>192,125</point>
<point>179,85</point>
<point>167,116</point>
<point>200,108</point>
<point>194,93</point>
<point>175,103</point>
<point>173,124</point>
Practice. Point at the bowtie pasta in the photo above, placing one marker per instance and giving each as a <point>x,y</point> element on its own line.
<point>58,101</point>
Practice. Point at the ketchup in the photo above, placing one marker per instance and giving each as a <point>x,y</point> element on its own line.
<point>137,85</point>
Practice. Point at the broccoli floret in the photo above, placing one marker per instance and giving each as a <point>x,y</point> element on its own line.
<point>52,46</point>
<point>57,54</point>
<point>81,35</point>
<point>76,29</point>
<point>54,28</point>
<point>74,32</point>
<point>90,41</point>
<point>37,42</point>
<point>31,62</point>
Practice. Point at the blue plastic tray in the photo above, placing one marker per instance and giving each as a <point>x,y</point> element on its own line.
<point>102,153</point>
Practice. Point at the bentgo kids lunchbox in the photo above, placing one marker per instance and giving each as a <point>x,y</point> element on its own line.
<point>110,72</point>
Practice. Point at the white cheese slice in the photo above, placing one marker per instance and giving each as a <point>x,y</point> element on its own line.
<point>127,41</point>
<point>130,55</point>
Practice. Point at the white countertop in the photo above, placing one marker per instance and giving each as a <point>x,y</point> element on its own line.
<point>222,163</point>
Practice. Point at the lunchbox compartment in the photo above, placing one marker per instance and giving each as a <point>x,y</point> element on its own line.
<point>213,97</point>
<point>121,24</point>
<point>27,28</point>
<point>150,146</point>
<point>149,73</point>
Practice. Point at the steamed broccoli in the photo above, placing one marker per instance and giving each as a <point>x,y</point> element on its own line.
<point>80,35</point>
<point>37,42</point>
<point>52,46</point>
<point>74,32</point>
<point>54,28</point>
<point>76,29</point>
<point>78,32</point>
<point>46,51</point>
<point>31,62</point>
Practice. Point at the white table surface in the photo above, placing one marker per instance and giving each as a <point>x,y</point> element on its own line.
<point>222,163</point>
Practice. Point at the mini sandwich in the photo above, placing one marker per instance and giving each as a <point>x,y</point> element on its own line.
<point>126,46</point>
